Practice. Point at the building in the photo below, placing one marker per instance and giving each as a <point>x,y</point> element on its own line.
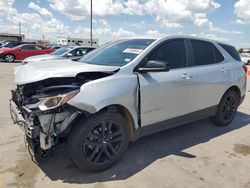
<point>11,37</point>
<point>64,41</point>
<point>246,50</point>
<point>43,42</point>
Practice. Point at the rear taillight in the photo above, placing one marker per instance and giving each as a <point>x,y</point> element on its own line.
<point>245,68</point>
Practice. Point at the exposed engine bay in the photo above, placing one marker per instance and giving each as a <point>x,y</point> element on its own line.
<point>41,109</point>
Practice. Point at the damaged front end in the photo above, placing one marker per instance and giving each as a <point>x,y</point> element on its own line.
<point>41,109</point>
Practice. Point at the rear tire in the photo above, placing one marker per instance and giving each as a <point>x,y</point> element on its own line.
<point>226,109</point>
<point>98,141</point>
<point>9,58</point>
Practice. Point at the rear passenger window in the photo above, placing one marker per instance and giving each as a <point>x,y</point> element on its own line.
<point>172,52</point>
<point>232,51</point>
<point>205,53</point>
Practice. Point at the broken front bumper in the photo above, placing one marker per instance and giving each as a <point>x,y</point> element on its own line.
<point>42,128</point>
<point>25,124</point>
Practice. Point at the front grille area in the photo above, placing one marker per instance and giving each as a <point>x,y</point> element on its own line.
<point>16,98</point>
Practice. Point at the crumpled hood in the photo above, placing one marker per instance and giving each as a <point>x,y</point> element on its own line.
<point>41,58</point>
<point>36,71</point>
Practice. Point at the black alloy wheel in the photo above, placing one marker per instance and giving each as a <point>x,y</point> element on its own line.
<point>95,143</point>
<point>103,142</point>
<point>226,109</point>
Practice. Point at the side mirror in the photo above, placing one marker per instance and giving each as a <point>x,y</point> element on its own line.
<point>154,66</point>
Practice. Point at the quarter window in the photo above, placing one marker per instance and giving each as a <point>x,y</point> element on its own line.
<point>205,53</point>
<point>218,56</point>
<point>172,52</point>
<point>232,51</point>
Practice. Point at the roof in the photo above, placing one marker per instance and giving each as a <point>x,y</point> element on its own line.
<point>173,37</point>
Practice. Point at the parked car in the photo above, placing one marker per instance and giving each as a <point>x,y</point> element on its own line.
<point>124,90</point>
<point>23,51</point>
<point>72,52</point>
<point>245,58</point>
<point>13,44</point>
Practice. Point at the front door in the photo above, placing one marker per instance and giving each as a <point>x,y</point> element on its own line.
<point>166,95</point>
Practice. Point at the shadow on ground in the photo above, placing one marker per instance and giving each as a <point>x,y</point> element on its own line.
<point>141,153</point>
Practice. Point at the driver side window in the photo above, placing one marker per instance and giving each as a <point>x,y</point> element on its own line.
<point>80,52</point>
<point>172,52</point>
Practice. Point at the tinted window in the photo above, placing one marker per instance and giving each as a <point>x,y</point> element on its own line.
<point>28,47</point>
<point>218,56</point>
<point>205,53</point>
<point>81,51</point>
<point>172,52</point>
<point>232,51</point>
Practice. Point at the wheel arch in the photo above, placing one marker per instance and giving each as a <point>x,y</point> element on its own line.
<point>117,108</point>
<point>236,89</point>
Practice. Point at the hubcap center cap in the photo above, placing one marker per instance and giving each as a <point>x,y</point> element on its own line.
<point>104,142</point>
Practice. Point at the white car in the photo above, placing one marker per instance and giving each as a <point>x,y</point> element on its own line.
<point>245,58</point>
<point>124,90</point>
<point>72,52</point>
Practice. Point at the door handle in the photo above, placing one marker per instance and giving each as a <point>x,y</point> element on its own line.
<point>186,76</point>
<point>223,69</point>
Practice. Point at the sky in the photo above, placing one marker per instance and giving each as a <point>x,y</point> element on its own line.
<point>223,20</point>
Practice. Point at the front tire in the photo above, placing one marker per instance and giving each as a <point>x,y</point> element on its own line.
<point>227,109</point>
<point>9,58</point>
<point>97,142</point>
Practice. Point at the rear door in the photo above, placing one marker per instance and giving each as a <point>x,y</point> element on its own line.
<point>209,74</point>
<point>166,95</point>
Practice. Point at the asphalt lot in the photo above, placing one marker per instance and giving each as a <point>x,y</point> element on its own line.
<point>198,154</point>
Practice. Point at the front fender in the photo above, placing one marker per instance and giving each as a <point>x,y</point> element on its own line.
<point>113,90</point>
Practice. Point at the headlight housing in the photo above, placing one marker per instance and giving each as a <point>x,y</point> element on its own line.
<point>56,101</point>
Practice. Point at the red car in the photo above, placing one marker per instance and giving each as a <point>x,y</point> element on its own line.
<point>23,51</point>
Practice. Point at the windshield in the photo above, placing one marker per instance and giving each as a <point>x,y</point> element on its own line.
<point>9,45</point>
<point>118,53</point>
<point>61,51</point>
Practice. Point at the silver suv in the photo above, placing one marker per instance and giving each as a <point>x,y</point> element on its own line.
<point>125,90</point>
